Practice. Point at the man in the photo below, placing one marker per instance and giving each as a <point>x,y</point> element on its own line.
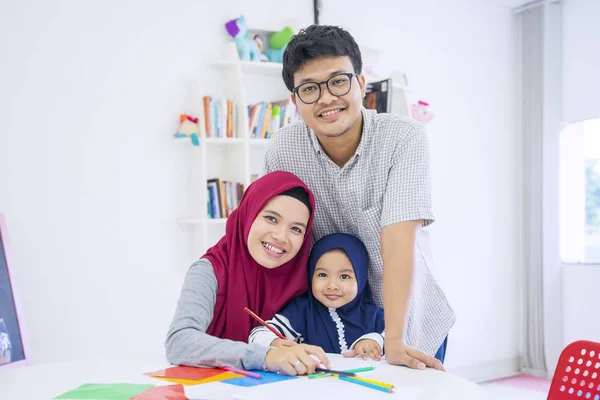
<point>370,176</point>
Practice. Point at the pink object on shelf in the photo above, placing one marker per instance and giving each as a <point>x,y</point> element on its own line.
<point>421,112</point>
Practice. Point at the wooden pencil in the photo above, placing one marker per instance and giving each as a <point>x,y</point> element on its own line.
<point>365,384</point>
<point>260,320</point>
<point>332,371</point>
<point>374,382</point>
<point>363,369</point>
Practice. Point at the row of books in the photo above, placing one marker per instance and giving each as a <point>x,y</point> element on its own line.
<point>378,96</point>
<point>223,197</point>
<point>220,117</point>
<point>265,118</point>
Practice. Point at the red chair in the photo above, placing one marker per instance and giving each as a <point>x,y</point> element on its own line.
<point>577,374</point>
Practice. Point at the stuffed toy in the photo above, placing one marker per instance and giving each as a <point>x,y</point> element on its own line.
<point>246,46</point>
<point>279,41</point>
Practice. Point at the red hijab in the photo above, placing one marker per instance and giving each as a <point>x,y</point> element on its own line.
<point>242,282</point>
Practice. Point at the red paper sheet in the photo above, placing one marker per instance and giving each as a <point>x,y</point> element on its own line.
<point>169,392</point>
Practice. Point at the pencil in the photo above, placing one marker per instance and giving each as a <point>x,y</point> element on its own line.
<point>242,372</point>
<point>320,375</point>
<point>323,374</point>
<point>259,319</point>
<point>366,384</point>
<point>332,371</point>
<point>387,385</point>
<point>363,369</point>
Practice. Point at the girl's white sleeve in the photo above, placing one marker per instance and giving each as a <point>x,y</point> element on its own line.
<point>281,324</point>
<point>378,337</point>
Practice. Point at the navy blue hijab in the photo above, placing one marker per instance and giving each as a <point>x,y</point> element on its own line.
<point>361,316</point>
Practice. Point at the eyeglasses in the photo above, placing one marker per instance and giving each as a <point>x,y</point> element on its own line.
<point>338,85</point>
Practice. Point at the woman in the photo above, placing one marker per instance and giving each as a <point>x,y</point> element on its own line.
<point>260,263</point>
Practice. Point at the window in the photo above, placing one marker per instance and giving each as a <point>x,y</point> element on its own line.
<point>579,201</point>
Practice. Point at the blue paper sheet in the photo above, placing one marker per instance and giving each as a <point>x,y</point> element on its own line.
<point>267,377</point>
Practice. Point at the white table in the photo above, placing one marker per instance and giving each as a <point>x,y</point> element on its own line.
<point>45,381</point>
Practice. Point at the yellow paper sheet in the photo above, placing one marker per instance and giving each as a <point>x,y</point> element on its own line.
<point>192,382</point>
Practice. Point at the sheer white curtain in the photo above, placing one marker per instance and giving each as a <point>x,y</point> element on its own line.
<point>538,75</point>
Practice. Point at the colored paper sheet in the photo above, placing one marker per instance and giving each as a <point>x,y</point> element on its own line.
<point>102,391</point>
<point>221,377</point>
<point>183,372</point>
<point>267,377</point>
<point>192,382</point>
<point>187,382</point>
<point>169,392</point>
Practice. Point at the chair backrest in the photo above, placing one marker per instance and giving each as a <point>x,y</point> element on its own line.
<point>577,374</point>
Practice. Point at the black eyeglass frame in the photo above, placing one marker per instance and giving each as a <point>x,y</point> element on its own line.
<point>350,75</point>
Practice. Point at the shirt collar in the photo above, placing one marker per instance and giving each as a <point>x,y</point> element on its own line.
<point>367,115</point>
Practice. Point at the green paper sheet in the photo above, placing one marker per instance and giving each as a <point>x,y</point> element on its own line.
<point>105,391</point>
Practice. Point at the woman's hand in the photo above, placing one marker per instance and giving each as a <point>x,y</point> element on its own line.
<point>283,343</point>
<point>365,347</point>
<point>397,353</point>
<point>295,360</point>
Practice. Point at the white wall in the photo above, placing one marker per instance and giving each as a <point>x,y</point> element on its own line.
<point>90,179</point>
<point>458,57</point>
<point>581,84</point>
<point>581,60</point>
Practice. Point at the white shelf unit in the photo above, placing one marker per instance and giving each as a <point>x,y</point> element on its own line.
<point>237,159</point>
<point>234,159</point>
<point>400,100</point>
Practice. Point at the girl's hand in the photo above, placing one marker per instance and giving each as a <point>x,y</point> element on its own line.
<point>295,360</point>
<point>366,347</point>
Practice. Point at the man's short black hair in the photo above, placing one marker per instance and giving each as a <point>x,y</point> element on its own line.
<point>318,41</point>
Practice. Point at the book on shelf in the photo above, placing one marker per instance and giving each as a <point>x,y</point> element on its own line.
<point>379,96</point>
<point>265,118</point>
<point>220,117</point>
<point>223,197</point>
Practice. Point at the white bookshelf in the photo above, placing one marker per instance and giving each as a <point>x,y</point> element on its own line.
<point>234,159</point>
<point>400,100</point>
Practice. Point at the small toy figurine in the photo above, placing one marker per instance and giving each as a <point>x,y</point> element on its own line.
<point>189,128</point>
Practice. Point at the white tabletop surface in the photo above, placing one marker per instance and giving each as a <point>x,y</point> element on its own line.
<point>46,381</point>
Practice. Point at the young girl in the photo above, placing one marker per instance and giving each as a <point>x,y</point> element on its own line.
<point>338,314</point>
<point>260,263</point>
